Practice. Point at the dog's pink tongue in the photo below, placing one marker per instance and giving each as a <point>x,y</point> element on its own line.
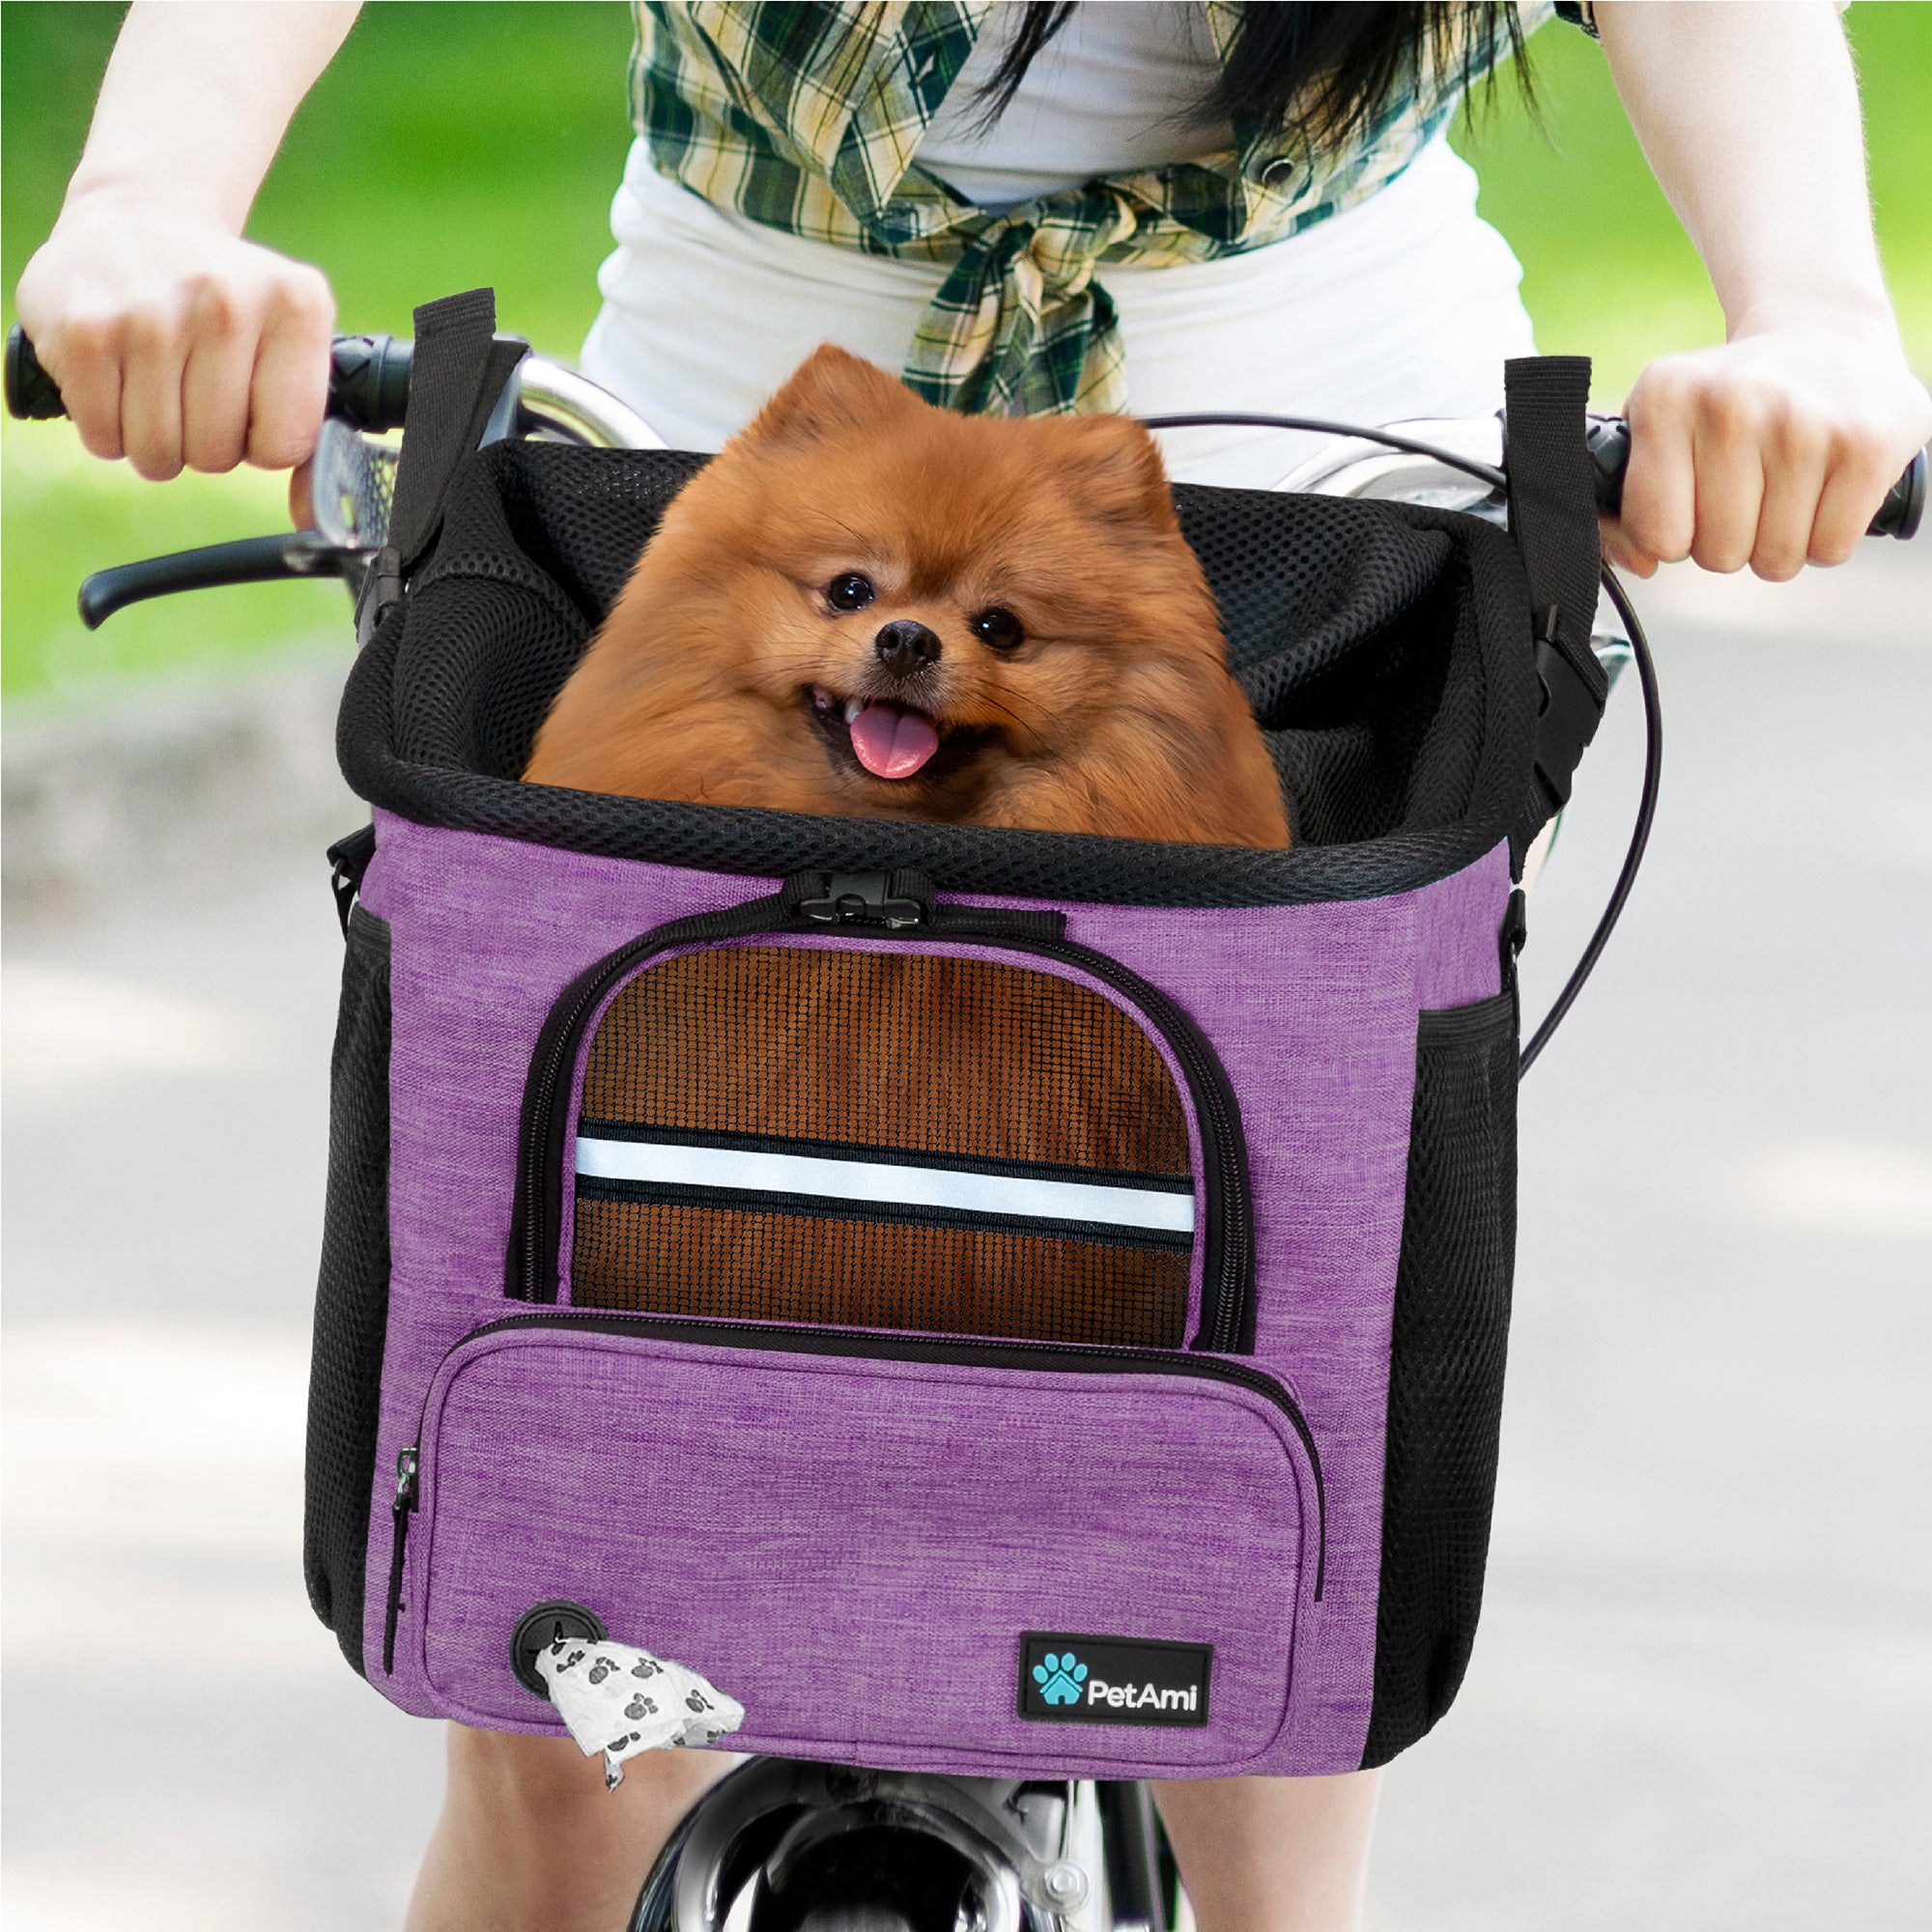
<point>891,743</point>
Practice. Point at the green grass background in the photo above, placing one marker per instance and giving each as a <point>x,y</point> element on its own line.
<point>453,144</point>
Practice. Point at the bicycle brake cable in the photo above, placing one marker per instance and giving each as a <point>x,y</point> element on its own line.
<point>1646,813</point>
<point>1646,671</point>
<point>1485,472</point>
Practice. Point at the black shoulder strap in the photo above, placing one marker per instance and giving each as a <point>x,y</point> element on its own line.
<point>457,373</point>
<point>1553,513</point>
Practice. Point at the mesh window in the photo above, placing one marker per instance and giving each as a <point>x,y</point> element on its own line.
<point>661,1258</point>
<point>966,1063</point>
<point>966,1057</point>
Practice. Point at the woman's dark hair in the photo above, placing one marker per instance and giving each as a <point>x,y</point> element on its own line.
<point>1325,72</point>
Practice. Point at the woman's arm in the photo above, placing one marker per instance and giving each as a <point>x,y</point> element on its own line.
<point>1777,447</point>
<point>172,339</point>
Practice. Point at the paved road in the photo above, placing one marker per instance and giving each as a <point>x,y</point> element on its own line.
<point>1703,1694</point>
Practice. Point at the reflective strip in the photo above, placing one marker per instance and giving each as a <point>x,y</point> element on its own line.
<point>871,1181</point>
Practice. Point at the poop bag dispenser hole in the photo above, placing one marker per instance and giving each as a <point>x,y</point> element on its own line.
<point>539,1627</point>
<point>620,1700</point>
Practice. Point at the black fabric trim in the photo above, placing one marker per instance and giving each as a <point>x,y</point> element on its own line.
<point>457,371</point>
<point>877,1153</point>
<point>902,1213</point>
<point>1552,514</point>
<point>1553,488</point>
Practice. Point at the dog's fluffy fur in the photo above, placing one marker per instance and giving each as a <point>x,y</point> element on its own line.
<point>1004,612</point>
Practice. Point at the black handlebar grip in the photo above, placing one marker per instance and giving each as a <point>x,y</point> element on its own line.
<point>368,381</point>
<point>1608,440</point>
<point>32,394</point>
<point>1904,505</point>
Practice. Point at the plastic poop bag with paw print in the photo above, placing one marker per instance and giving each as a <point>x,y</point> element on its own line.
<point>620,1700</point>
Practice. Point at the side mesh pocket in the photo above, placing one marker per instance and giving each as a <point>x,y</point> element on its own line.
<point>351,1302</point>
<point>1451,1302</point>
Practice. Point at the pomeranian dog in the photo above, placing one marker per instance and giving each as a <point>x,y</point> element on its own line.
<point>866,605</point>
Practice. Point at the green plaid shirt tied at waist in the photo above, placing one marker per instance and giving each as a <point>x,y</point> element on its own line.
<point>806,118</point>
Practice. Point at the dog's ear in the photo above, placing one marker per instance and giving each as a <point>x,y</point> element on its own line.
<point>831,390</point>
<point>1114,469</point>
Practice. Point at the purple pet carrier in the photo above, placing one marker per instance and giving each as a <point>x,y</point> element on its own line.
<point>991,1301</point>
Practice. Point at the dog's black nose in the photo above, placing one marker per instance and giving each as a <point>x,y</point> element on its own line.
<point>903,646</point>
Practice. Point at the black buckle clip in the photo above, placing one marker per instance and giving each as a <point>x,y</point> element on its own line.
<point>348,860</point>
<point>861,898</point>
<point>381,593</point>
<point>1569,710</point>
<point>1514,931</point>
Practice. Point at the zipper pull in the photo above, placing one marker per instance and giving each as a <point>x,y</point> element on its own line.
<point>405,1503</point>
<point>406,1480</point>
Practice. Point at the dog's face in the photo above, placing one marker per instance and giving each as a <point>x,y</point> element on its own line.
<point>923,598</point>
<point>866,605</point>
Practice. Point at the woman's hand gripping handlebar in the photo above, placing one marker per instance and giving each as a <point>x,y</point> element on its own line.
<point>368,381</point>
<point>1451,442</point>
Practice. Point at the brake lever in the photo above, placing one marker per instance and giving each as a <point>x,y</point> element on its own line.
<point>251,560</point>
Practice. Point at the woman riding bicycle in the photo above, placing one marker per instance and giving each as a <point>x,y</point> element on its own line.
<point>1032,208</point>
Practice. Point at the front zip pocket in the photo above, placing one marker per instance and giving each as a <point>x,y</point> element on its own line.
<point>978,1128</point>
<point>854,1533</point>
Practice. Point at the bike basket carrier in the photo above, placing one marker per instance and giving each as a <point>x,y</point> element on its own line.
<point>1087,1359</point>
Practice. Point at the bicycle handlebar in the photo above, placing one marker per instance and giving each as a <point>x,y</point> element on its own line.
<point>368,381</point>
<point>369,389</point>
<point>1610,443</point>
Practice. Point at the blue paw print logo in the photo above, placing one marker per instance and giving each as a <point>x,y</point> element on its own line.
<point>1060,1678</point>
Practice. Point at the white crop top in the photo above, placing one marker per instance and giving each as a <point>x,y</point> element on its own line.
<point>1117,90</point>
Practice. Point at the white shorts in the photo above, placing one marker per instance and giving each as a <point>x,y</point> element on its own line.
<point>1406,305</point>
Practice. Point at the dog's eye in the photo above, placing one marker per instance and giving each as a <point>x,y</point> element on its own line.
<point>998,628</point>
<point>850,592</point>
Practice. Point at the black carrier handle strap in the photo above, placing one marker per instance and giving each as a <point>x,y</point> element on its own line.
<point>1552,516</point>
<point>458,376</point>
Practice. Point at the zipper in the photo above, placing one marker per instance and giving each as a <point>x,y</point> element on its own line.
<point>402,1508</point>
<point>1088,1357</point>
<point>1227,1275</point>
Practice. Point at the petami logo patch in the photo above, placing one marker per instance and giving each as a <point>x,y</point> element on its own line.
<point>1070,1679</point>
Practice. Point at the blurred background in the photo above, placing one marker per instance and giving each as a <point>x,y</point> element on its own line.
<point>455,145</point>
<point>1704,1686</point>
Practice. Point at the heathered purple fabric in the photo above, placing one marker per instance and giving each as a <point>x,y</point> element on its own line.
<point>977,954</point>
<point>1311,1008</point>
<point>908,1521</point>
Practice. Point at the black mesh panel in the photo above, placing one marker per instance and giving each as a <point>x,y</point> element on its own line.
<point>664,1258</point>
<point>351,1302</point>
<point>967,1057</point>
<point>1446,1355</point>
